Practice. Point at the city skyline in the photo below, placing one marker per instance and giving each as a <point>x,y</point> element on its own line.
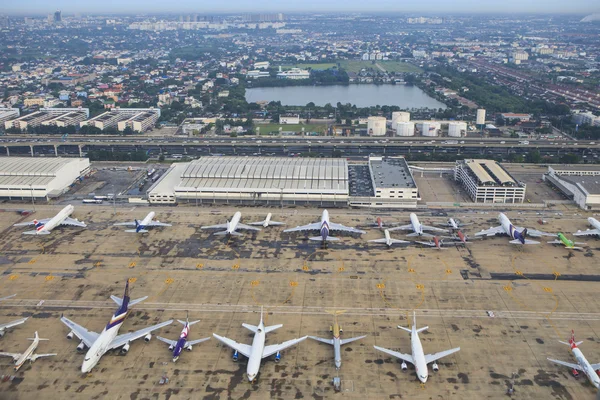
<point>37,7</point>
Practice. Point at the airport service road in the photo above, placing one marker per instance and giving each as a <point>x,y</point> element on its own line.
<point>248,308</point>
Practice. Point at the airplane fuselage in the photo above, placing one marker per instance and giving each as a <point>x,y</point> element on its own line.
<point>418,357</point>
<point>586,367</point>
<point>181,342</point>
<point>147,219</point>
<point>56,220</point>
<point>416,225</point>
<point>258,347</point>
<point>452,223</point>
<point>388,238</point>
<point>594,223</point>
<point>25,356</point>
<point>508,227</point>
<point>337,345</point>
<point>100,346</point>
<point>324,225</point>
<point>232,225</point>
<point>267,220</point>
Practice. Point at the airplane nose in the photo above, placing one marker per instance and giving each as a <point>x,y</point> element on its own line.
<point>338,364</point>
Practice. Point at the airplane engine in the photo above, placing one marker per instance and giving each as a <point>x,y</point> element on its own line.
<point>189,348</point>
<point>147,337</point>
<point>341,330</point>
<point>235,355</point>
<point>277,357</point>
<point>125,349</point>
<point>81,346</point>
<point>330,328</point>
<point>2,332</point>
<point>435,367</point>
<point>404,366</point>
<point>575,374</point>
<point>69,335</point>
<point>171,347</point>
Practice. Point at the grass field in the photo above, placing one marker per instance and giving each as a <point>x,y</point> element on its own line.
<point>267,128</point>
<point>390,66</point>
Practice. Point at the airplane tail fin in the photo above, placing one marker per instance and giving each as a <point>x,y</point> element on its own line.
<point>320,239</point>
<point>36,337</point>
<point>190,323</point>
<point>571,341</point>
<point>252,328</point>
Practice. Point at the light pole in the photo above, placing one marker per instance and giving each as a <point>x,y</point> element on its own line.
<point>197,209</point>
<point>114,200</point>
<point>32,200</point>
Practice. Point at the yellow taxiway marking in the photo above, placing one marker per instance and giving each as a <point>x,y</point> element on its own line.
<point>420,287</point>
<point>235,266</point>
<point>32,261</point>
<point>199,265</point>
<point>49,278</point>
<point>132,280</point>
<point>168,281</point>
<point>98,264</point>
<point>254,283</point>
<point>305,268</point>
<point>381,286</point>
<point>13,277</point>
<point>341,269</point>
<point>448,271</point>
<point>507,288</point>
<point>132,264</point>
<point>548,289</point>
<point>556,275</point>
<point>293,284</point>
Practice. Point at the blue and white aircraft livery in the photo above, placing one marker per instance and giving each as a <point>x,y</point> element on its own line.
<point>108,339</point>
<point>418,358</point>
<point>177,346</point>
<point>258,350</point>
<point>517,234</point>
<point>582,363</point>
<point>143,225</point>
<point>324,227</point>
<point>231,226</point>
<point>595,224</point>
<point>45,226</point>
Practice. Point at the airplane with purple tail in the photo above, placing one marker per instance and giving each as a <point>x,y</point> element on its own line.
<point>109,339</point>
<point>517,234</point>
<point>177,346</point>
<point>324,227</point>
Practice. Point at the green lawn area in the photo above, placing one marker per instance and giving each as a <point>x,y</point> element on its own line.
<point>267,128</point>
<point>390,66</point>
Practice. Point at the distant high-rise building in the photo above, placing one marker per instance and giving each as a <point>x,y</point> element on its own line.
<point>57,16</point>
<point>264,17</point>
<point>4,21</point>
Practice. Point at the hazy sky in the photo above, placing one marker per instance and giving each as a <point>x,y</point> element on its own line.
<point>32,7</point>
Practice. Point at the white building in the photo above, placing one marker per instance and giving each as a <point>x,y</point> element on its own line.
<point>49,116</point>
<point>392,178</point>
<point>138,119</point>
<point>262,65</point>
<point>41,178</point>
<point>254,74</point>
<point>289,119</point>
<point>294,73</point>
<point>586,119</point>
<point>579,183</point>
<point>6,114</point>
<point>486,181</point>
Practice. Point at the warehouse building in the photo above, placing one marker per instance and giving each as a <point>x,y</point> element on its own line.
<point>486,181</point>
<point>49,116</point>
<point>578,183</point>
<point>138,119</point>
<point>41,178</point>
<point>7,114</point>
<point>255,180</point>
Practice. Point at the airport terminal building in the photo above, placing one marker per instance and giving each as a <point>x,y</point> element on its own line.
<point>41,178</point>
<point>579,183</point>
<point>486,181</point>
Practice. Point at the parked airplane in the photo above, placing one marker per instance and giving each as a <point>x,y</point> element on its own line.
<point>324,227</point>
<point>45,226</point>
<point>388,240</point>
<point>28,355</point>
<point>418,358</point>
<point>336,342</point>
<point>514,232</point>
<point>590,232</point>
<point>435,242</point>
<point>455,224</point>
<point>4,327</point>
<point>231,226</point>
<point>582,363</point>
<point>569,244</point>
<point>417,227</point>
<point>108,339</point>
<point>143,225</point>
<point>257,351</point>
<point>267,222</point>
<point>182,343</point>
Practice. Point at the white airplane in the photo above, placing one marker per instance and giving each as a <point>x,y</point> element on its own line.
<point>590,232</point>
<point>108,339</point>
<point>417,227</point>
<point>516,233</point>
<point>388,240</point>
<point>336,342</point>
<point>178,345</point>
<point>257,351</point>
<point>455,224</point>
<point>267,222</point>
<point>20,358</point>
<point>324,227</point>
<point>143,225</point>
<point>418,358</point>
<point>4,327</point>
<point>582,363</point>
<point>45,226</point>
<point>231,226</point>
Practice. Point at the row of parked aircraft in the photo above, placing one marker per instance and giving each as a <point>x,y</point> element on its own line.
<point>325,226</point>
<point>99,344</point>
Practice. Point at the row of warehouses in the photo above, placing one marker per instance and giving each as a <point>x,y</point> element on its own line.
<point>137,119</point>
<point>401,125</point>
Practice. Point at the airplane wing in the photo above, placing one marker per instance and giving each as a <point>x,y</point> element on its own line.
<point>132,224</point>
<point>195,342</point>
<point>36,356</point>
<point>535,232</point>
<point>433,228</point>
<point>42,221</point>
<point>220,226</point>
<point>257,223</point>
<point>401,228</point>
<point>15,356</point>
<point>310,227</point>
<point>430,244</point>
<point>274,348</point>
<point>491,232</point>
<point>167,341</point>
<point>343,228</point>
<point>566,364</point>
<point>247,227</point>
<point>589,232</point>
<point>241,348</point>
<point>318,339</point>
<point>8,297</point>
<point>555,242</point>
<point>382,240</point>
<point>595,367</point>
<point>346,341</point>
<point>402,356</point>
<point>12,323</point>
<point>88,337</point>
<point>275,223</point>
<point>73,222</point>
<point>436,356</point>
<point>121,340</point>
<point>527,241</point>
<point>158,223</point>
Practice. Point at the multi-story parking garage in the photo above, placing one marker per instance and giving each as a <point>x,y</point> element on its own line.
<point>486,181</point>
